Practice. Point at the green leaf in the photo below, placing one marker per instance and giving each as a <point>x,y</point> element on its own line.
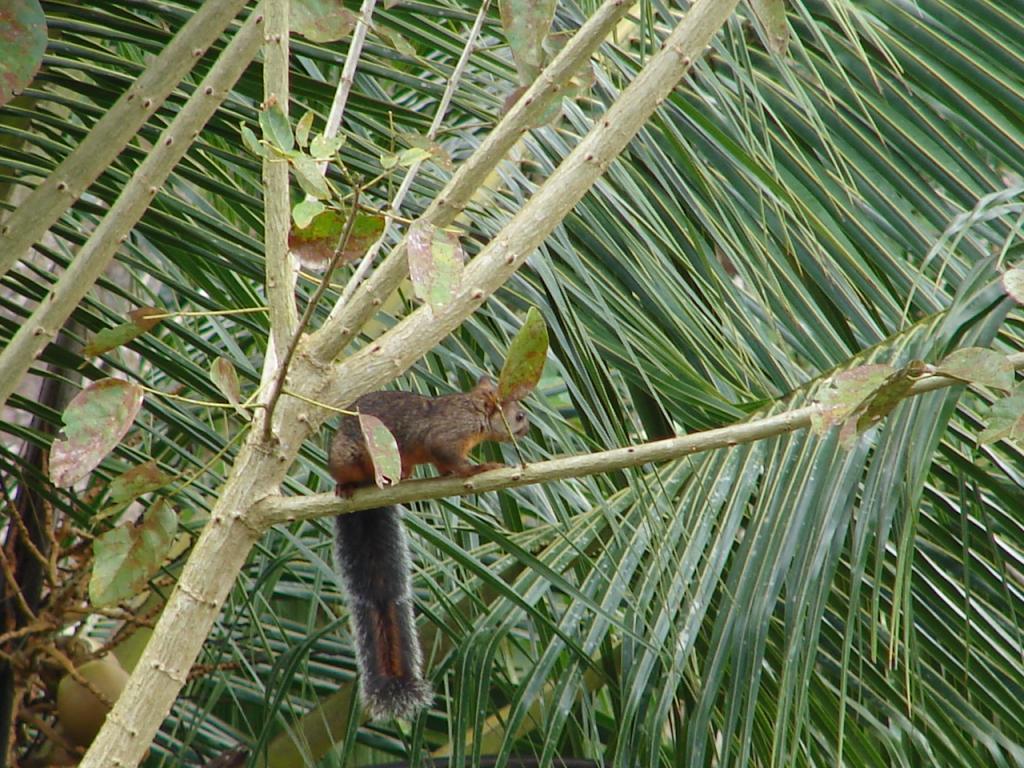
<point>223,374</point>
<point>412,155</point>
<point>276,130</point>
<point>252,143</point>
<point>1005,419</point>
<point>315,244</point>
<point>321,21</point>
<point>137,481</point>
<point>383,450</point>
<point>397,41</point>
<point>323,148</point>
<point>22,45</point>
<point>304,212</point>
<point>309,177</point>
<point>303,127</point>
<point>436,259</point>
<point>94,423</point>
<point>978,365</point>
<point>111,338</point>
<point>841,394</point>
<point>880,402</point>
<point>526,24</point>
<point>365,232</point>
<point>128,556</point>
<point>525,360</point>
<point>438,153</point>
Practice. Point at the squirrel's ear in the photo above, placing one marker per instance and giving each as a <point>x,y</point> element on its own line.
<point>485,384</point>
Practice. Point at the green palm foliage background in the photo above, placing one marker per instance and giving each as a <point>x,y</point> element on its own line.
<point>789,602</point>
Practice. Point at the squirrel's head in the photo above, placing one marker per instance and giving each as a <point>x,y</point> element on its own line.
<point>516,418</point>
<point>503,416</point>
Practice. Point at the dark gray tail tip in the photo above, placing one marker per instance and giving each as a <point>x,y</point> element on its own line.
<point>398,697</point>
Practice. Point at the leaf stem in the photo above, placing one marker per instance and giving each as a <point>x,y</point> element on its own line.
<point>307,315</point>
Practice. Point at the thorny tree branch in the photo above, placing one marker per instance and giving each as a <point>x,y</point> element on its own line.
<point>278,265</point>
<point>44,205</point>
<point>94,257</point>
<point>347,318</point>
<point>279,509</point>
<point>226,540</point>
<point>396,204</point>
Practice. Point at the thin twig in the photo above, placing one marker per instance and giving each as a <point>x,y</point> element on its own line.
<point>307,315</point>
<point>37,627</point>
<point>348,74</point>
<point>347,318</point>
<point>208,313</point>
<point>127,629</point>
<point>53,736</point>
<point>413,170</point>
<point>29,544</point>
<point>201,670</point>
<point>95,255</point>
<point>50,526</point>
<point>192,401</point>
<point>13,586</point>
<point>319,404</point>
<point>50,567</point>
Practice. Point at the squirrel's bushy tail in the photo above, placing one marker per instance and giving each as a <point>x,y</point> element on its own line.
<point>372,557</point>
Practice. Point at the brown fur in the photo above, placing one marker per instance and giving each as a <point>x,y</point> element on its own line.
<point>429,430</point>
<point>369,546</point>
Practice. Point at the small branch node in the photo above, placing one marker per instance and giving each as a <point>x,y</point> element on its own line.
<point>120,723</point>
<point>163,669</point>
<point>191,594</point>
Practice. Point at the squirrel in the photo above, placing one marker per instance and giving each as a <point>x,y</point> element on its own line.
<point>370,550</point>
